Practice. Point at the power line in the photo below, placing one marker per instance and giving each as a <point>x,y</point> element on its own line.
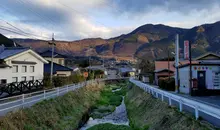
<point>23,31</point>
<point>83,14</point>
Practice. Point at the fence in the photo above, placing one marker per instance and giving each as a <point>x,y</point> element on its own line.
<point>197,106</point>
<point>27,100</point>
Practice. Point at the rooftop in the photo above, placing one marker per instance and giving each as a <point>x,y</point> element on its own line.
<point>56,67</point>
<point>10,51</point>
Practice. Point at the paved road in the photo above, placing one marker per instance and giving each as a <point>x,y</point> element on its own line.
<point>213,101</point>
<point>30,100</point>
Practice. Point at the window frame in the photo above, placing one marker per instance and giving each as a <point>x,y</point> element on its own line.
<point>13,67</point>
<point>32,69</point>
<point>13,79</point>
<point>25,69</point>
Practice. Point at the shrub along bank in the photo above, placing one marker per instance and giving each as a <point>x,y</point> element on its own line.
<point>61,113</point>
<point>146,112</point>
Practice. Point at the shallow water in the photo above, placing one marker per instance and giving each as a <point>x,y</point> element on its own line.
<point>118,117</point>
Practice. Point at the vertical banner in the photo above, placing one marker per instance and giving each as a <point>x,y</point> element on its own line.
<point>186,50</point>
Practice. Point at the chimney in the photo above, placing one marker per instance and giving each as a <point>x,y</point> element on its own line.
<point>2,48</point>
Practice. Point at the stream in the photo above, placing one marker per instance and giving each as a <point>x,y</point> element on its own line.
<point>118,117</point>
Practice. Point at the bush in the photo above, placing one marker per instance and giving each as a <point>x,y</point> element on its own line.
<point>167,84</point>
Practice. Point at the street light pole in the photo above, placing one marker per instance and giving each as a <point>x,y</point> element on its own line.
<point>190,69</point>
<point>177,64</point>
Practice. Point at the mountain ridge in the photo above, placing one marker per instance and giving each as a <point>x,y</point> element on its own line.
<point>149,41</point>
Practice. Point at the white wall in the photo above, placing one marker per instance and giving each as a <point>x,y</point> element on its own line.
<point>38,72</point>
<point>5,74</point>
<point>184,76</point>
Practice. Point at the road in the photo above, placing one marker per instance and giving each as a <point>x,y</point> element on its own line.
<point>213,101</point>
<point>30,100</point>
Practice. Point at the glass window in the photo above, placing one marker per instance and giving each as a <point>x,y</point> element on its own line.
<point>32,78</point>
<point>31,69</point>
<point>3,81</point>
<point>14,79</point>
<point>60,61</point>
<point>24,69</point>
<point>23,78</point>
<point>15,68</point>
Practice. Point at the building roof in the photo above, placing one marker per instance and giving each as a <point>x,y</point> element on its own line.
<point>160,65</point>
<point>124,70</point>
<point>48,53</point>
<point>163,70</point>
<point>56,67</point>
<point>8,52</point>
<point>211,55</point>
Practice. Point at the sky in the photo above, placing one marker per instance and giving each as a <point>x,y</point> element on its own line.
<point>79,19</point>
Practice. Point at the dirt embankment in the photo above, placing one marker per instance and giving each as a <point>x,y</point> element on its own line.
<point>61,113</point>
<point>146,112</point>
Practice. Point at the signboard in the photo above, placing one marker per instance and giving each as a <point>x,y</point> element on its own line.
<point>186,50</point>
<point>85,74</point>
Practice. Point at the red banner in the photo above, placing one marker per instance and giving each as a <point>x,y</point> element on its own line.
<point>186,50</point>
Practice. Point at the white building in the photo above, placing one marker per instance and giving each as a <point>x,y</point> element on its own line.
<point>206,72</point>
<point>20,64</point>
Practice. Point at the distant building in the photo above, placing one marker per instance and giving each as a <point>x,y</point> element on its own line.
<point>20,64</point>
<point>58,70</point>
<point>58,58</point>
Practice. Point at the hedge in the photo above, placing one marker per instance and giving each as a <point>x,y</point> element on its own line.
<point>167,84</point>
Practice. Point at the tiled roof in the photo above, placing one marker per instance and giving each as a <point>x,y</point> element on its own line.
<point>8,52</point>
<point>56,67</point>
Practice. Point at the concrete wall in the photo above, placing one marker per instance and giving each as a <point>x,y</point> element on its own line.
<point>63,73</point>
<point>38,72</point>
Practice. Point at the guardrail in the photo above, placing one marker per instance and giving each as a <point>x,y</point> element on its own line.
<point>197,106</point>
<point>26,100</point>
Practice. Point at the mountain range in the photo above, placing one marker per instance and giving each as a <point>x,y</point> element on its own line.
<point>148,41</point>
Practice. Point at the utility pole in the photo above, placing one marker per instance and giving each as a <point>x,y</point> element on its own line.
<point>190,69</point>
<point>168,63</point>
<point>52,55</point>
<point>177,64</point>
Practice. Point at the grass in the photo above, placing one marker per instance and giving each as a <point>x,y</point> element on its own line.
<point>109,100</point>
<point>110,127</point>
<point>61,113</point>
<point>146,112</point>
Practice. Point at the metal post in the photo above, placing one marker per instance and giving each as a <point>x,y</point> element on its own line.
<point>58,91</point>
<point>23,100</point>
<point>44,94</point>
<point>170,102</point>
<point>162,98</point>
<point>156,95</point>
<point>67,89</point>
<point>181,105</point>
<point>196,113</point>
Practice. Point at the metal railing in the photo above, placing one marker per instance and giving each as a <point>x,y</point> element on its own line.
<point>26,100</point>
<point>196,105</point>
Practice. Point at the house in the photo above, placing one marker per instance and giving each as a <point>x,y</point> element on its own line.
<point>58,70</point>
<point>58,58</point>
<point>205,75</point>
<point>20,64</point>
<point>164,68</point>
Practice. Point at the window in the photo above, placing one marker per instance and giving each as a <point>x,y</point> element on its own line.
<point>32,78</point>
<point>15,69</point>
<point>14,79</point>
<point>24,69</point>
<point>31,69</point>
<point>3,81</point>
<point>23,78</point>
<point>60,61</point>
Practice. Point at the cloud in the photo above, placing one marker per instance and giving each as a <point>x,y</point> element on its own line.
<point>76,19</point>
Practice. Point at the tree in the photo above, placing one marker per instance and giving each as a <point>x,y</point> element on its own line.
<point>145,66</point>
